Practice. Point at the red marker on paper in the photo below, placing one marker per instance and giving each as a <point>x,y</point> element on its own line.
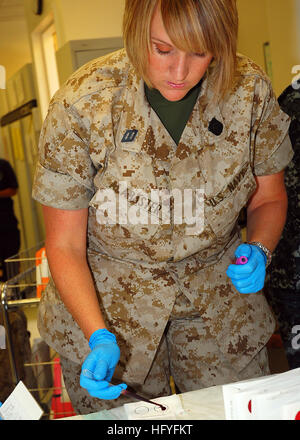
<point>241,260</point>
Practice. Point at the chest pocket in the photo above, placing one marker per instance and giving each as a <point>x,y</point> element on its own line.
<point>223,209</point>
<point>122,201</point>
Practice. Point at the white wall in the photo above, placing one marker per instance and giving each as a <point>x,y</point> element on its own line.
<point>253,29</point>
<point>276,21</point>
<point>14,52</point>
<point>80,19</point>
<point>284,25</point>
<point>73,20</point>
<point>14,45</point>
<point>77,19</point>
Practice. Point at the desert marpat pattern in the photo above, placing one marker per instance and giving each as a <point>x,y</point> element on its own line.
<point>139,270</point>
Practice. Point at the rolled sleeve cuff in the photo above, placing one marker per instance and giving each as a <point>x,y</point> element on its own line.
<point>59,190</point>
<point>278,161</point>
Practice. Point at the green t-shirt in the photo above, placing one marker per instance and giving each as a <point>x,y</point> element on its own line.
<point>173,114</point>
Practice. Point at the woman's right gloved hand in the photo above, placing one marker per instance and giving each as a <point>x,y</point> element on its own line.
<point>99,366</point>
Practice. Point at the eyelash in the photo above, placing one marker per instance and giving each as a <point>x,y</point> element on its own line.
<point>201,55</point>
<point>161,52</point>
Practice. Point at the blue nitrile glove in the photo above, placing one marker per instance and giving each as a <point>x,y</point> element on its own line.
<point>0,405</point>
<point>99,366</point>
<point>249,277</point>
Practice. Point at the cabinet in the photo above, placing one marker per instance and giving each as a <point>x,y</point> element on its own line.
<point>76,53</point>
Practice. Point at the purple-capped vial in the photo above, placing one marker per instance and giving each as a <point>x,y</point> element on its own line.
<point>241,260</point>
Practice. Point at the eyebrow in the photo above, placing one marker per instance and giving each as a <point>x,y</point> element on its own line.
<point>161,41</point>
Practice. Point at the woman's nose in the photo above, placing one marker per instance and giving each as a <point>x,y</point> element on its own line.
<point>180,67</point>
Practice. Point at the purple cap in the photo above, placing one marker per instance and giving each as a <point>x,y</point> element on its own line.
<point>241,260</point>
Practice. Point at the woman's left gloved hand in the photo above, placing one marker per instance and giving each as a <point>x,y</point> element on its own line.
<point>249,277</point>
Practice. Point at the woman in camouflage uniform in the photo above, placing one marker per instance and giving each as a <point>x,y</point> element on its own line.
<point>176,120</point>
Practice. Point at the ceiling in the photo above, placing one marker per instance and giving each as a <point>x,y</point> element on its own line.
<point>11,10</point>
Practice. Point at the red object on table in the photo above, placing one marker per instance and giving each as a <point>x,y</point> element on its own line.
<point>59,408</point>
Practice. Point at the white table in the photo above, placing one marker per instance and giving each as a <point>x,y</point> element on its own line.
<point>204,404</point>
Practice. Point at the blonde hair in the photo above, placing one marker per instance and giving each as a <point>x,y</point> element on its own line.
<point>193,26</point>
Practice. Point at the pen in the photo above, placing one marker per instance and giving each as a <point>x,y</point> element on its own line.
<point>128,392</point>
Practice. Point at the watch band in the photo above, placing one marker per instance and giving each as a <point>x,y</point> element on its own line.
<point>266,251</point>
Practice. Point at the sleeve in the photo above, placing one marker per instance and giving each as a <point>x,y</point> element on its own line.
<point>10,179</point>
<point>64,173</point>
<point>270,143</point>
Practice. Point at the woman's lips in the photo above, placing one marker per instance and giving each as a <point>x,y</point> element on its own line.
<point>175,86</point>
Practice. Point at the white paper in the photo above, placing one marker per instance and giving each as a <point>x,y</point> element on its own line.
<point>249,404</point>
<point>269,406</point>
<point>291,411</point>
<point>2,338</point>
<point>266,395</point>
<point>147,411</point>
<point>20,405</point>
<point>230,391</point>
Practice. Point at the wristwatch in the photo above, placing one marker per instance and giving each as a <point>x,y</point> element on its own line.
<point>267,252</point>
